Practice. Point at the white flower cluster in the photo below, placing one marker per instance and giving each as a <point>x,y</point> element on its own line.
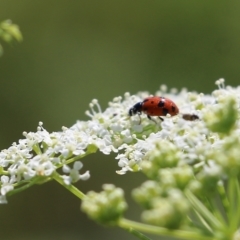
<point>41,153</point>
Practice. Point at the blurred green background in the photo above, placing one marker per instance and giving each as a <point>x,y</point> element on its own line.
<point>74,51</point>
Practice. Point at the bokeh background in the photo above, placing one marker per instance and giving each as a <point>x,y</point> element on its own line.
<point>74,51</point>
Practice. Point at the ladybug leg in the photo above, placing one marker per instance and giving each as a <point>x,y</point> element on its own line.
<point>140,120</point>
<point>149,117</point>
<point>161,119</point>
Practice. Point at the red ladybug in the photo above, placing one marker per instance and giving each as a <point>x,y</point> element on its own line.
<point>154,106</point>
<point>158,106</point>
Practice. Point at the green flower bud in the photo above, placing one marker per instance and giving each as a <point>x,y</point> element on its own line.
<point>222,116</point>
<point>209,177</point>
<point>227,154</point>
<point>195,187</point>
<point>183,175</point>
<point>167,212</point>
<point>166,178</point>
<point>9,31</point>
<point>164,155</point>
<point>145,193</point>
<point>106,207</point>
<point>178,177</point>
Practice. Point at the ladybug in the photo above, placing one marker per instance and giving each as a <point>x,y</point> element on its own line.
<point>158,106</point>
<point>154,106</point>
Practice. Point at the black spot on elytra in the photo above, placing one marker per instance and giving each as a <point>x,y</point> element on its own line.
<point>152,102</point>
<point>161,104</point>
<point>165,111</point>
<point>173,109</point>
<point>145,109</point>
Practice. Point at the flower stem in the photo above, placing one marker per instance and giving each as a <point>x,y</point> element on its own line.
<point>203,211</point>
<point>233,213</point>
<point>24,187</point>
<point>223,196</point>
<point>180,234</point>
<point>91,149</point>
<point>70,187</point>
<point>137,234</point>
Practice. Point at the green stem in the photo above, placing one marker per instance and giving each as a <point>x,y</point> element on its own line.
<point>203,222</point>
<point>91,149</point>
<point>233,193</point>
<point>70,188</point>
<point>238,202</point>
<point>137,234</point>
<point>37,149</point>
<point>76,158</point>
<point>24,187</point>
<point>217,212</point>
<point>180,234</point>
<point>203,211</point>
<point>223,196</point>
<point>3,172</point>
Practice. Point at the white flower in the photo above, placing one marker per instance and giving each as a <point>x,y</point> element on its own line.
<point>74,175</point>
<point>6,185</point>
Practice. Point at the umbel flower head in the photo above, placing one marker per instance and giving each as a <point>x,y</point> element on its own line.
<point>189,164</point>
<point>151,145</point>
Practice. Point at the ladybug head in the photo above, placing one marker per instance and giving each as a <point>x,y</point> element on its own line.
<point>137,108</point>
